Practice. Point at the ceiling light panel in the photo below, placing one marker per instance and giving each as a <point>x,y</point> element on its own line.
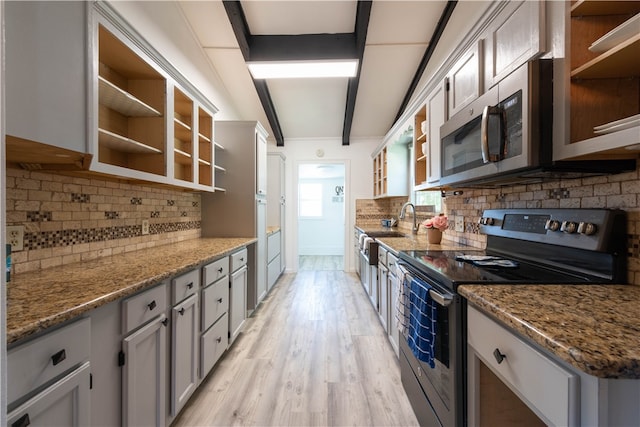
<point>302,69</point>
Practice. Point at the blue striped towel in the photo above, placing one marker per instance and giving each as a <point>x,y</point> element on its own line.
<point>422,322</point>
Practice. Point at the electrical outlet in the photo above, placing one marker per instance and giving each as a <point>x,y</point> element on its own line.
<point>145,226</point>
<point>459,224</point>
<point>15,237</point>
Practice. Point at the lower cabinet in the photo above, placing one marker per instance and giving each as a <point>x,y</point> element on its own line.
<point>213,344</point>
<point>144,374</point>
<point>274,264</point>
<point>49,378</point>
<point>238,292</point>
<point>394,286</point>
<point>63,403</point>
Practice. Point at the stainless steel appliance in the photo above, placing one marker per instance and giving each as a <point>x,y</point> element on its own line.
<point>505,135</point>
<point>535,246</point>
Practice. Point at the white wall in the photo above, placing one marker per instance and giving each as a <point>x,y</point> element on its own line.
<point>358,183</point>
<point>324,235</point>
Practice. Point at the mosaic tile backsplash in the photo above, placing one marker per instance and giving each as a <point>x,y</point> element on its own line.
<point>70,219</point>
<point>621,191</point>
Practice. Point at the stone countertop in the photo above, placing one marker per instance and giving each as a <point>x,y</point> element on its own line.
<point>410,241</point>
<point>42,299</point>
<point>595,328</point>
<point>272,229</point>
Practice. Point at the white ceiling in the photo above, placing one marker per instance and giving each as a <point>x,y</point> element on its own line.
<point>397,37</point>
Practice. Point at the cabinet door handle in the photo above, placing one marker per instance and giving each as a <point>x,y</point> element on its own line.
<point>23,421</point>
<point>152,305</point>
<point>181,311</point>
<point>165,321</point>
<point>220,270</point>
<point>59,357</point>
<point>190,285</point>
<point>241,259</point>
<point>499,356</point>
<point>220,300</point>
<point>219,339</point>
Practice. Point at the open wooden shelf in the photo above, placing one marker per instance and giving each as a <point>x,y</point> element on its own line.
<point>122,143</point>
<point>622,61</point>
<point>590,8</point>
<point>123,102</point>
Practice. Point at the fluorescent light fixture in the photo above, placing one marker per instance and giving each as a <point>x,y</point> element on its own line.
<point>303,69</point>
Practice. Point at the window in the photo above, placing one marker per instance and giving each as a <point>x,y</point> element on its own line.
<point>310,196</point>
<point>429,198</point>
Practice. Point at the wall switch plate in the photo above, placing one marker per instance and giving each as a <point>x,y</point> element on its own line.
<point>459,224</point>
<point>15,237</point>
<point>145,226</point>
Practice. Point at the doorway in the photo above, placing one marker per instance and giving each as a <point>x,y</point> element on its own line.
<point>321,216</point>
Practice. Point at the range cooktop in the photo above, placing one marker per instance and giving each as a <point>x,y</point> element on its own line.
<point>452,268</point>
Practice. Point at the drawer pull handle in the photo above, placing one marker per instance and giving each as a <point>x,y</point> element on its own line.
<point>165,321</point>
<point>58,357</point>
<point>241,259</point>
<point>190,285</point>
<point>181,311</point>
<point>220,300</point>
<point>219,339</point>
<point>499,356</point>
<point>220,270</point>
<point>152,305</point>
<point>23,421</point>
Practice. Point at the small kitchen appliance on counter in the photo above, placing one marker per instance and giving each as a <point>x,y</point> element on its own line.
<point>524,246</point>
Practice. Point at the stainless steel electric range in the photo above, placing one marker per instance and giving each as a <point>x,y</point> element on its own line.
<point>524,246</point>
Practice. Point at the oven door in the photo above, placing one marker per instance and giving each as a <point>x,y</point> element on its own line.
<point>437,393</point>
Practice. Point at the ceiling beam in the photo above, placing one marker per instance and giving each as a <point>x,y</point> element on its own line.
<point>302,47</point>
<point>442,23</point>
<point>244,37</point>
<point>363,12</point>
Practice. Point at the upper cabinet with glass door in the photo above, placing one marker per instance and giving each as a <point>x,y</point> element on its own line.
<point>604,80</point>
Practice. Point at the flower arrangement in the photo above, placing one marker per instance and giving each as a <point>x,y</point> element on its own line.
<point>439,222</point>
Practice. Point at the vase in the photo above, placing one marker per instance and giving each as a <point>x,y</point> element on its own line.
<point>434,236</point>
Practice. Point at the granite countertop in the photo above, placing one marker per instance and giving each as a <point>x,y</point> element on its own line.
<point>410,241</point>
<point>42,299</point>
<point>272,229</point>
<point>594,328</point>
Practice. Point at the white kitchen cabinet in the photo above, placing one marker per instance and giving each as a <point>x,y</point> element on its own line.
<point>603,85</point>
<point>64,403</point>
<point>238,293</point>
<point>511,381</point>
<point>144,357</point>
<point>276,199</point>
<point>433,113</point>
<point>515,36</point>
<point>391,164</point>
<point>273,258</point>
<point>383,285</point>
<point>241,210</point>
<point>184,352</point>
<point>464,79</point>
<point>46,74</point>
<point>144,374</point>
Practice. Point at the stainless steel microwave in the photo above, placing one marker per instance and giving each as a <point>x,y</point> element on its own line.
<point>505,135</point>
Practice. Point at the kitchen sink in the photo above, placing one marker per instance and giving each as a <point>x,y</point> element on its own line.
<point>377,234</point>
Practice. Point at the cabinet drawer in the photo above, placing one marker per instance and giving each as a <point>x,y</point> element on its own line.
<point>545,386</point>
<point>392,264</point>
<point>382,255</point>
<point>215,302</point>
<point>143,307</point>
<point>215,270</point>
<point>184,286</point>
<point>213,343</point>
<point>39,361</point>
<point>273,245</point>
<point>238,259</point>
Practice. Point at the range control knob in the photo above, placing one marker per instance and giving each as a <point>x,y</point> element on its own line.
<point>552,225</point>
<point>569,227</point>
<point>487,221</point>
<point>587,228</point>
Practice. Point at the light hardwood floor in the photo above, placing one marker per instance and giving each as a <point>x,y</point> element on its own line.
<point>313,354</point>
<point>320,262</point>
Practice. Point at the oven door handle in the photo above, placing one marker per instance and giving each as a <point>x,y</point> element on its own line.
<point>443,300</point>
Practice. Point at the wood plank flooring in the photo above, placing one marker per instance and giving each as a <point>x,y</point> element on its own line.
<point>313,354</point>
<point>320,262</point>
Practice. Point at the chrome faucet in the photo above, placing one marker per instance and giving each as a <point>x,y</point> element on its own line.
<point>401,216</point>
